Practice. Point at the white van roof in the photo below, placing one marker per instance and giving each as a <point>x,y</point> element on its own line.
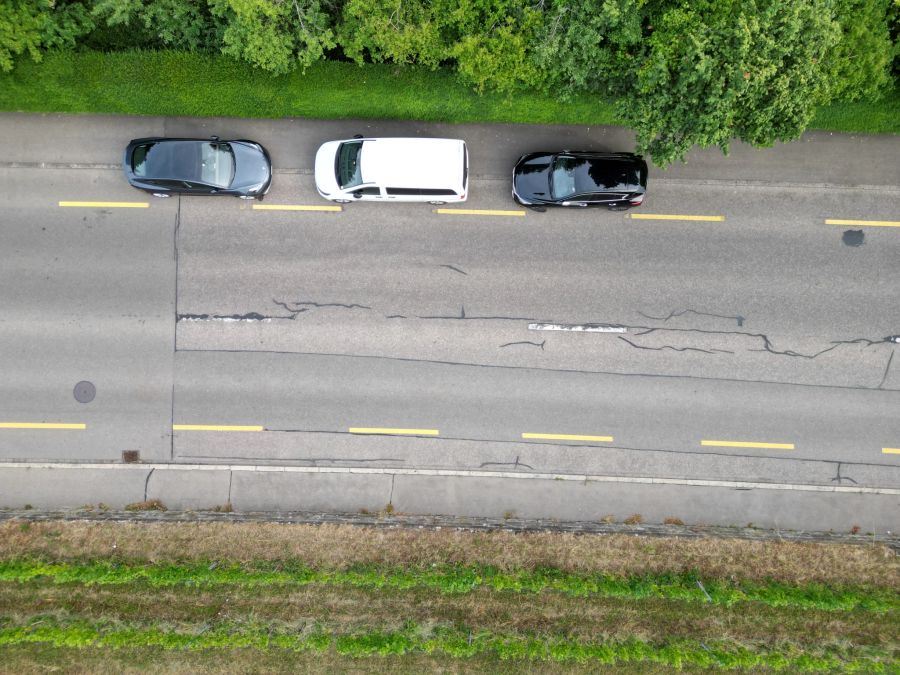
<point>413,162</point>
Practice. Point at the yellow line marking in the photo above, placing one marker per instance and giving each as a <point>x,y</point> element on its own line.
<point>213,427</point>
<point>569,437</point>
<point>40,425</point>
<point>747,444</point>
<point>869,223</point>
<point>660,216</point>
<point>393,432</point>
<point>294,207</point>
<point>891,451</point>
<point>114,205</point>
<point>479,212</point>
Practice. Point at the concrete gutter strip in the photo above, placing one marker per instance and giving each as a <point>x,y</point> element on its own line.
<point>456,473</point>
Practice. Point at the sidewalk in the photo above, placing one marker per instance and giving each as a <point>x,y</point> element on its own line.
<point>819,158</point>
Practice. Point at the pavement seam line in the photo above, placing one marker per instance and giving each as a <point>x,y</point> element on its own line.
<point>458,473</point>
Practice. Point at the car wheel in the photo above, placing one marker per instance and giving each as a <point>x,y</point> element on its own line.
<point>618,208</point>
<point>342,201</point>
<point>161,195</point>
<point>437,203</point>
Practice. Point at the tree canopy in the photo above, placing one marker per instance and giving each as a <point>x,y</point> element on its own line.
<point>681,72</point>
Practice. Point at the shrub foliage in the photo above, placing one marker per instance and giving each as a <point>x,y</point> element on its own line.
<point>682,72</point>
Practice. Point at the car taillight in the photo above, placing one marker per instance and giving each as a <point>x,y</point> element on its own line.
<point>636,201</point>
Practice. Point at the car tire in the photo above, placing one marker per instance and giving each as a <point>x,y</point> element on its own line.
<point>618,208</point>
<point>161,195</point>
<point>342,201</point>
<point>538,209</point>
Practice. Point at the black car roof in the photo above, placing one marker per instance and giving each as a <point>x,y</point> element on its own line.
<point>175,159</point>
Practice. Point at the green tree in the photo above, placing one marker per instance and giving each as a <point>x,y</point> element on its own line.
<point>171,23</point>
<point>21,30</point>
<point>585,45</point>
<point>401,31</point>
<point>713,70</point>
<point>276,35</point>
<point>858,66</point>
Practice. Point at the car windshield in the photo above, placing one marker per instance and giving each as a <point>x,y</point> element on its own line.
<point>577,176</point>
<point>347,164</point>
<point>217,164</point>
<point>139,159</point>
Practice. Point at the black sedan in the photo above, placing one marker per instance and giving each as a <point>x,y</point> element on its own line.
<point>164,166</point>
<point>616,180</point>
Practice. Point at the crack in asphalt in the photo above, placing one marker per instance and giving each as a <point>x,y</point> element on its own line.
<point>840,479</point>
<point>301,306</point>
<point>525,342</point>
<point>454,268</point>
<point>886,370</point>
<point>676,349</point>
<point>516,464</point>
<point>738,318</point>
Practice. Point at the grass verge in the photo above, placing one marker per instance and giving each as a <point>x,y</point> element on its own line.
<point>445,641</point>
<point>458,579</point>
<point>198,85</point>
<point>186,596</point>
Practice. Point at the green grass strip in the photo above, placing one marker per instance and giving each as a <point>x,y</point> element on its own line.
<point>204,85</point>
<point>457,579</point>
<point>442,640</point>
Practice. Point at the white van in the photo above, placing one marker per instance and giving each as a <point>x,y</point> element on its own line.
<point>434,170</point>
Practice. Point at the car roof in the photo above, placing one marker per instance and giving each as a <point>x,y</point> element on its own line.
<point>413,162</point>
<point>175,159</point>
<point>606,171</point>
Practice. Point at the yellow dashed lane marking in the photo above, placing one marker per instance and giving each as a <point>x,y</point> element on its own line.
<point>40,425</point>
<point>568,437</point>
<point>214,427</point>
<point>748,444</point>
<point>661,216</point>
<point>868,223</point>
<point>478,212</point>
<point>393,432</point>
<point>295,207</point>
<point>112,205</point>
<point>891,451</point>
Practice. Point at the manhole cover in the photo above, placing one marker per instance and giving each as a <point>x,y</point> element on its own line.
<point>85,391</point>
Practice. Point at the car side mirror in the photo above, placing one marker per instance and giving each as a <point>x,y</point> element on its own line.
<point>215,138</point>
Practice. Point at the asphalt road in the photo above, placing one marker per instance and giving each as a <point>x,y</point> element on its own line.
<point>287,359</point>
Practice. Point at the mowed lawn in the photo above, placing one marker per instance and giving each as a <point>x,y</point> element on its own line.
<point>245,597</point>
<point>188,84</point>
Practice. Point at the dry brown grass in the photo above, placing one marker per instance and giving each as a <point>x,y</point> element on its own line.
<point>340,546</point>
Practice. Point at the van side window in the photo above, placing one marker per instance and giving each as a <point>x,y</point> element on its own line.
<point>368,191</point>
<point>426,192</point>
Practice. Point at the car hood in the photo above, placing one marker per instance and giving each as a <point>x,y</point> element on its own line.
<point>531,179</point>
<point>251,165</point>
<point>326,180</point>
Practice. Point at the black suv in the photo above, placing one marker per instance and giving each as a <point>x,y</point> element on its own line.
<point>615,180</point>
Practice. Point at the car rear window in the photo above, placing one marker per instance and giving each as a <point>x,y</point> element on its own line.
<point>347,168</point>
<point>217,164</point>
<point>139,159</point>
